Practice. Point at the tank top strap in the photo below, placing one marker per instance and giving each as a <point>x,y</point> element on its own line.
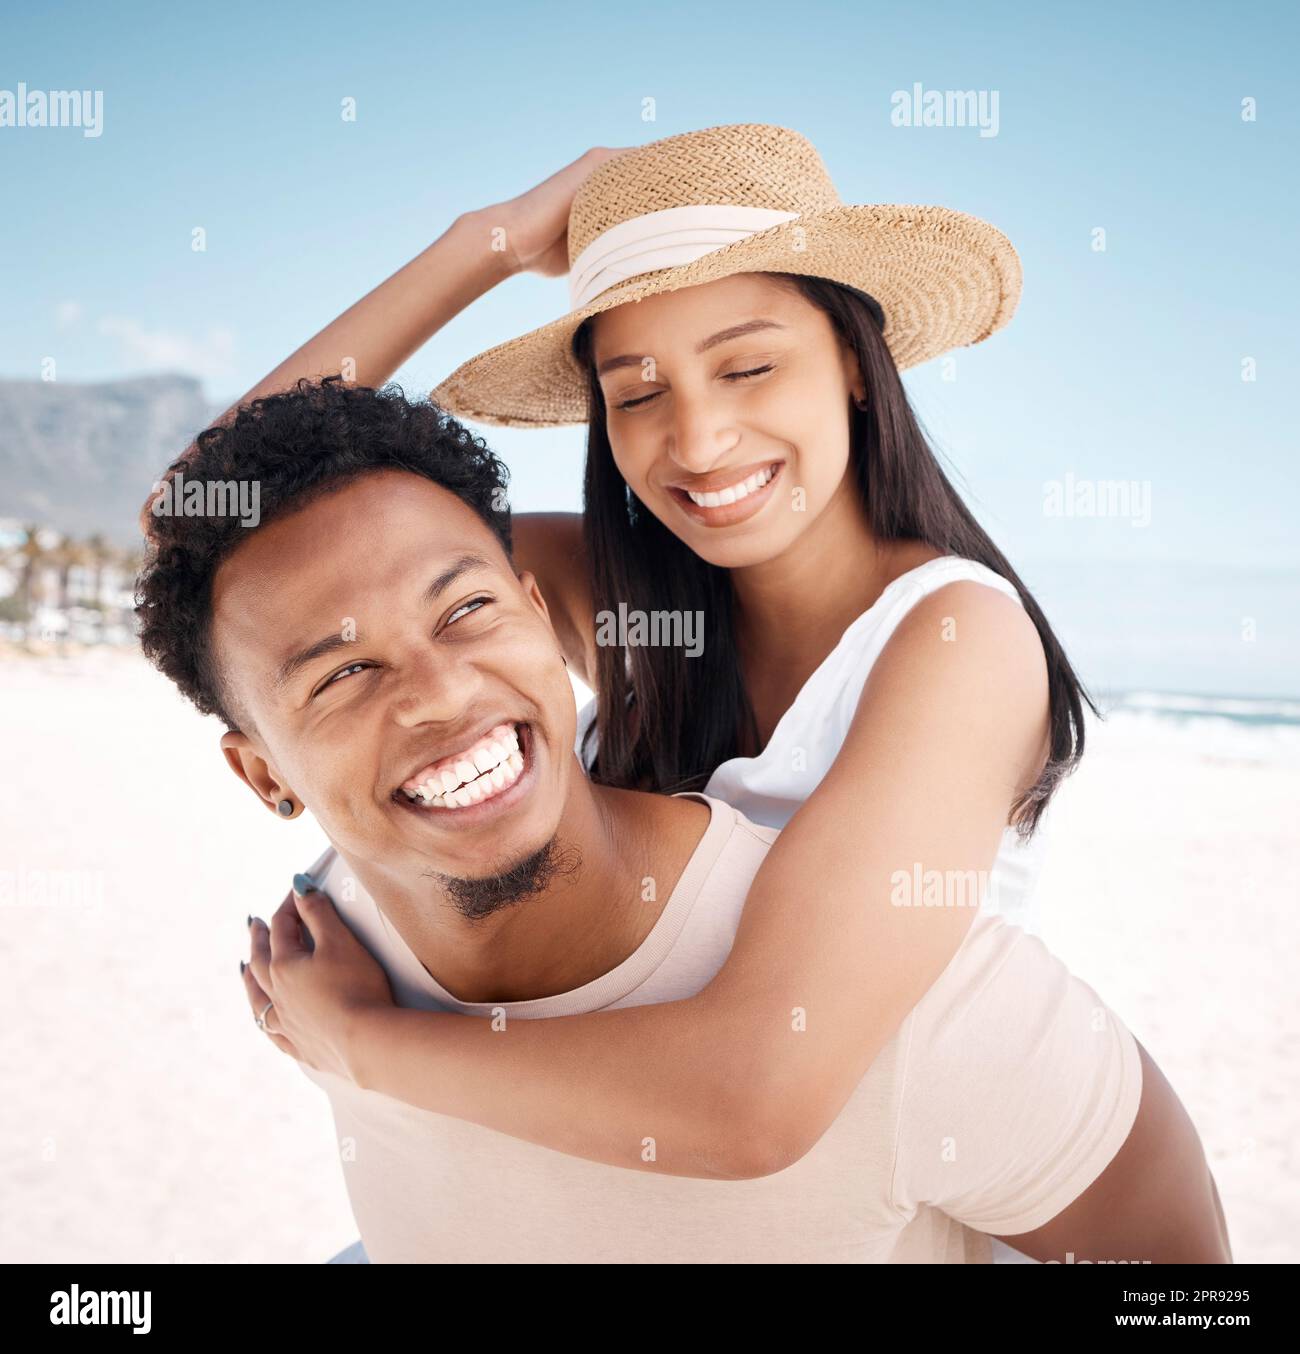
<point>938,573</point>
<point>845,672</point>
<point>825,707</point>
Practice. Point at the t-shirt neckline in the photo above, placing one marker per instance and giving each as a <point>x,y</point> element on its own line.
<point>619,981</point>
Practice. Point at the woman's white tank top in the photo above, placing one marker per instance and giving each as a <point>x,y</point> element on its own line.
<point>768,788</point>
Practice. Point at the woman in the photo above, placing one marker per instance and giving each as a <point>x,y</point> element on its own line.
<point>874,673</point>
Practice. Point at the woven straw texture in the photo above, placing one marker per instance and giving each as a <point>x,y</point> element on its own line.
<point>944,279</point>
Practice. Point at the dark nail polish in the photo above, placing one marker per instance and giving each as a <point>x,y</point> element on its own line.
<point>241,968</point>
<point>250,920</point>
<point>303,884</point>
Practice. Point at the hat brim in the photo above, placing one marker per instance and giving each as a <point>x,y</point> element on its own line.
<point>944,279</point>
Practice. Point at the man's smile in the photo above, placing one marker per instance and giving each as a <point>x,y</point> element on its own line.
<point>485,778</point>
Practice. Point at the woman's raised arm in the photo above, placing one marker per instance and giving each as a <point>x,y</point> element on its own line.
<point>370,340</point>
<point>951,728</point>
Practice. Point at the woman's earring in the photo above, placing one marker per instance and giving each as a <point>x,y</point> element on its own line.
<point>859,404</point>
<point>285,808</point>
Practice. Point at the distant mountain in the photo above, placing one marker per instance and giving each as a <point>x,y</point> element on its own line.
<point>82,458</point>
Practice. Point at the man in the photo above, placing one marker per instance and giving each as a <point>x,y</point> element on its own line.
<point>375,656</point>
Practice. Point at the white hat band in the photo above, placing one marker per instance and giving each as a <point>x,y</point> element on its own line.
<point>665,239</point>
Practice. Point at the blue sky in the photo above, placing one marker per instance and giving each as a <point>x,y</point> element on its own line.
<point>1119,365</point>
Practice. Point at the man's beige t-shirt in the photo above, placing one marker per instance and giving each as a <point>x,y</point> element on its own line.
<point>1005,1093</point>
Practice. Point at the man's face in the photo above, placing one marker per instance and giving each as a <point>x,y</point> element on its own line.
<point>385,652</point>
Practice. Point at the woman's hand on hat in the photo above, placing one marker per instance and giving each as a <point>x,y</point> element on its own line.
<point>535,224</point>
<point>528,233</point>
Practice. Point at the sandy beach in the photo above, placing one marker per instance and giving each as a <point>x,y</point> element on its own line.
<point>144,1118</point>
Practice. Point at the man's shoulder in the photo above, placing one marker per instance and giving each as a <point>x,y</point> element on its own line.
<point>737,824</point>
<point>734,850</point>
<point>995,957</point>
<point>733,817</point>
<point>1003,999</point>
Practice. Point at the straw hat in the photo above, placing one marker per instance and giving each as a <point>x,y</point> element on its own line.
<point>693,208</point>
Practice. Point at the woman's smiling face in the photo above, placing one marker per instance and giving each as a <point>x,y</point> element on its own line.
<point>727,409</point>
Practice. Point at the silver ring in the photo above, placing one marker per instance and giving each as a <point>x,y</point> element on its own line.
<point>261,1020</point>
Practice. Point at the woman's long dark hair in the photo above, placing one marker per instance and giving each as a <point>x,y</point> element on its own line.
<point>666,720</point>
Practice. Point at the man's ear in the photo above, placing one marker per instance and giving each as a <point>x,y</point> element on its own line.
<point>253,769</point>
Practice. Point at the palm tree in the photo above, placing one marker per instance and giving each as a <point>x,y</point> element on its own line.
<point>98,555</point>
<point>67,556</point>
<point>33,555</point>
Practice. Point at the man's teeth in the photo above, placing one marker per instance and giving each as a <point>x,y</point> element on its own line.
<point>490,766</point>
<point>733,493</point>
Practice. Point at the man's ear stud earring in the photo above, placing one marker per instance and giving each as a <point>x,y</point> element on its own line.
<point>285,808</point>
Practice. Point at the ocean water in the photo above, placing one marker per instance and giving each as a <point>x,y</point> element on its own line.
<point>1185,708</point>
<point>1237,728</point>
